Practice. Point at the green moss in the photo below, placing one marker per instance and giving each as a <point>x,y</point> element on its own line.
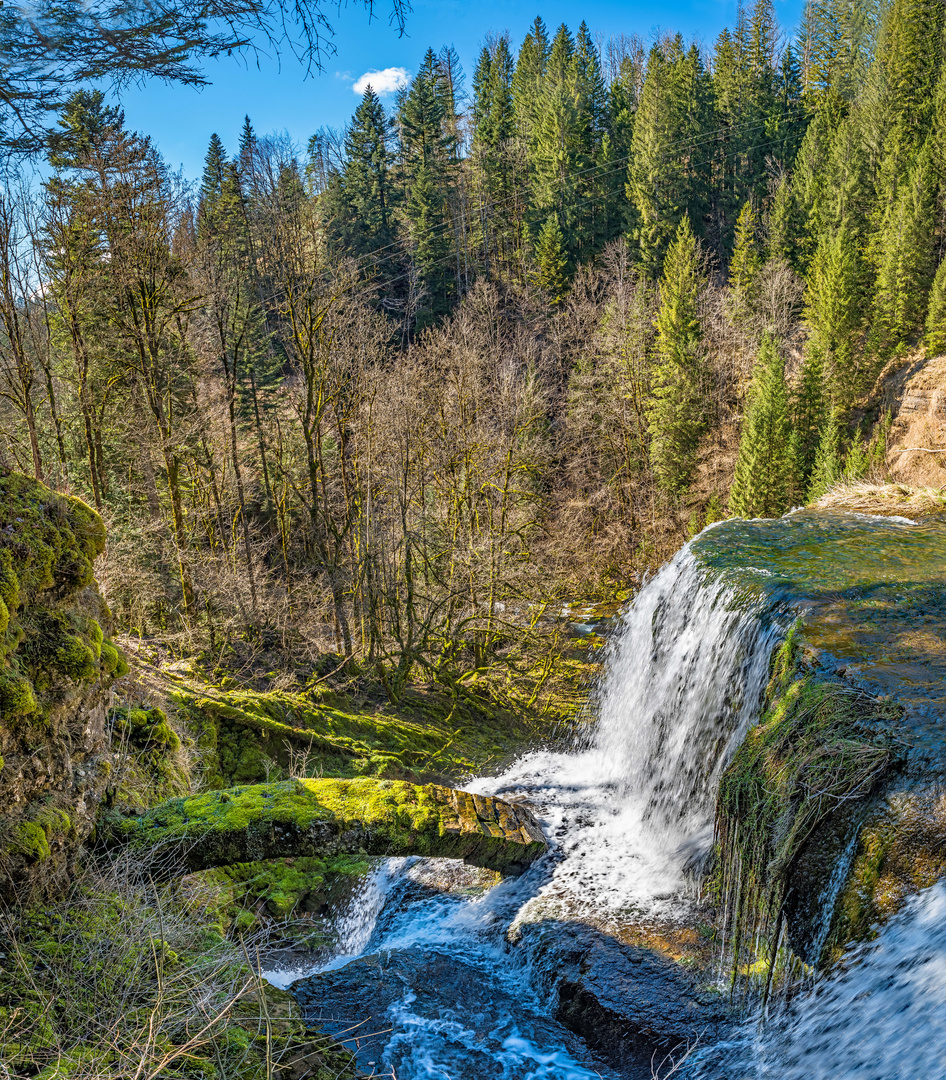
<point>9,582</point>
<point>113,663</point>
<point>146,729</point>
<point>809,755</point>
<point>29,839</point>
<point>16,696</point>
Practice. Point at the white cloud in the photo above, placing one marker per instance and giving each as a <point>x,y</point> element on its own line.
<point>383,82</point>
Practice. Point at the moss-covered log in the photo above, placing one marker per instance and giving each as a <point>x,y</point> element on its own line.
<point>330,817</point>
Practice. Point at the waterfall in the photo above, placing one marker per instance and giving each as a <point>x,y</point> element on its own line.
<point>880,1018</point>
<point>684,678</point>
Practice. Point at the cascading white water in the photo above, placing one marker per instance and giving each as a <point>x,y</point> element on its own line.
<point>881,1018</point>
<point>683,681</point>
<point>627,812</point>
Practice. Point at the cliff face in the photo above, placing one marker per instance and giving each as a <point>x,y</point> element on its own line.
<point>56,668</point>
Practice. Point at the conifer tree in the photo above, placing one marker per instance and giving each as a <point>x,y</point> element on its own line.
<point>676,416</point>
<point>667,174</point>
<point>936,314</point>
<point>551,260</point>
<point>362,218</point>
<point>905,260</point>
<point>211,185</point>
<point>527,81</point>
<point>494,153</point>
<point>828,459</point>
<point>763,481</point>
<point>834,313</point>
<point>808,416</point>
<point>428,146</point>
<point>745,265</point>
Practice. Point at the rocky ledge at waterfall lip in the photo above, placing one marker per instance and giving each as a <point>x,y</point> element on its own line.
<point>871,593</point>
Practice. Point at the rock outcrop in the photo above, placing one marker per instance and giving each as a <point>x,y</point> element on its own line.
<point>56,667</point>
<point>330,817</point>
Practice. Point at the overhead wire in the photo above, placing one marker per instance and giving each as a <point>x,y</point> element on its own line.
<point>606,168</point>
<point>576,206</point>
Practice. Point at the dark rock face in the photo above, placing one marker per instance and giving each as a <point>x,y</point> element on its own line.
<point>630,1005</point>
<point>56,668</point>
<point>331,817</point>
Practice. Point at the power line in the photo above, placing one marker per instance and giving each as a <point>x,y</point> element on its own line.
<point>606,168</point>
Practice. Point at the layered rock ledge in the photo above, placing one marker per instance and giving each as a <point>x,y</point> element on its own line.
<point>329,817</point>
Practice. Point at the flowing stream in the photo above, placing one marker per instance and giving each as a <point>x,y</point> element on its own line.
<point>429,983</point>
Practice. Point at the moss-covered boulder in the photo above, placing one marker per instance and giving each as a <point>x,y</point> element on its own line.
<point>315,818</point>
<point>56,667</point>
<point>832,813</point>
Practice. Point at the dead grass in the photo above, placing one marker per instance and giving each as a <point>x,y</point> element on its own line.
<point>863,497</point>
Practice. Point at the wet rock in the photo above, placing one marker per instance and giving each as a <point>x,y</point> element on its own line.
<point>633,1007</point>
<point>426,1012</point>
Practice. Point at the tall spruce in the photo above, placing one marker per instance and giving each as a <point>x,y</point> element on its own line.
<point>834,313</point>
<point>363,218</point>
<point>676,415</point>
<point>669,153</point>
<point>762,486</point>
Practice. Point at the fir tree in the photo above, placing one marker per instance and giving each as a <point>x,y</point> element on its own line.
<point>527,81</point>
<point>828,459</point>
<point>361,218</point>
<point>556,153</point>
<point>676,416</point>
<point>936,314</point>
<point>666,175</point>
<point>905,258</point>
<point>551,260</point>
<point>763,481</point>
<point>494,151</point>
<point>745,265</point>
<point>834,313</point>
<point>211,185</point>
<point>808,415</point>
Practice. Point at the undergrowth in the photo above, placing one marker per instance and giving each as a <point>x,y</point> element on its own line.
<point>124,979</point>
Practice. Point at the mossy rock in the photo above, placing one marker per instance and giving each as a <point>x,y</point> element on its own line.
<point>319,818</point>
<point>56,667</point>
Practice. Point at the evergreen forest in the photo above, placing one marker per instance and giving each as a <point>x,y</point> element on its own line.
<point>504,341</point>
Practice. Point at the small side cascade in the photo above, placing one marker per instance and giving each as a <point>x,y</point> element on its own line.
<point>881,1016</point>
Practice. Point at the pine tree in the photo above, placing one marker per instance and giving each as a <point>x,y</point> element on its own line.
<point>246,153</point>
<point>762,485</point>
<point>905,258</point>
<point>667,174</point>
<point>426,214</point>
<point>360,207</point>
<point>936,314</point>
<point>828,459</point>
<point>745,265</point>
<point>556,152</point>
<point>835,313</point>
<point>494,153</point>
<point>527,81</point>
<point>551,260</point>
<point>211,185</point>
<point>428,148</point>
<point>676,416</point>
<point>808,416</point>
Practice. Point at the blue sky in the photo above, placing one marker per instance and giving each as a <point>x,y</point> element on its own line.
<point>279,98</point>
